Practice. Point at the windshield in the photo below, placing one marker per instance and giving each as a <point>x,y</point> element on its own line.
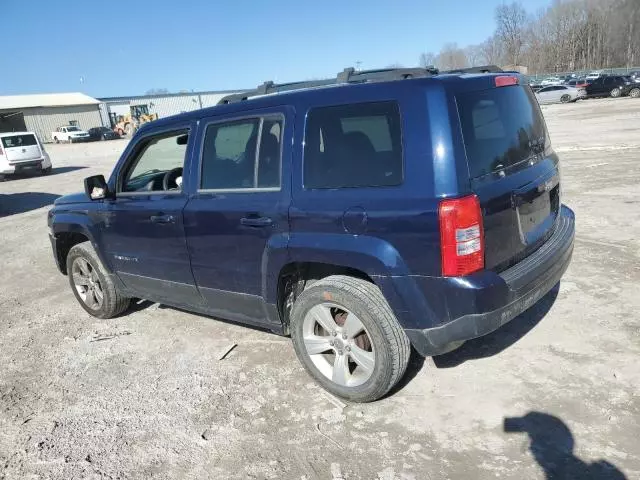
<point>501,127</point>
<point>19,141</point>
<point>73,129</point>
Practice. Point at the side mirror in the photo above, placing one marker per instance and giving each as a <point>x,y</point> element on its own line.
<point>96,187</point>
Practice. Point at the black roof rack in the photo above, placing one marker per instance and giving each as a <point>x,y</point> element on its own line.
<point>351,75</point>
<point>348,75</point>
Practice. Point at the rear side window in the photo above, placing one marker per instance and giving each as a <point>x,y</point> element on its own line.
<point>19,141</point>
<point>242,154</point>
<point>501,127</point>
<point>356,145</point>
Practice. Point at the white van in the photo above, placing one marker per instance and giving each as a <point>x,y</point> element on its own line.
<point>22,151</point>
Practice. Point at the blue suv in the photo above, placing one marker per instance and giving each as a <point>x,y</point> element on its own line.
<point>361,216</point>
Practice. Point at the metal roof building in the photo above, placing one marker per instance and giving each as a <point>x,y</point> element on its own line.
<point>43,113</point>
<point>163,104</point>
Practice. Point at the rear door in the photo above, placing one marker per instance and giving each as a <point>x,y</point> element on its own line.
<point>512,169</point>
<point>21,148</point>
<point>238,219</point>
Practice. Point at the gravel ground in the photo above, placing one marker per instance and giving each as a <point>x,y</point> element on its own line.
<point>146,396</point>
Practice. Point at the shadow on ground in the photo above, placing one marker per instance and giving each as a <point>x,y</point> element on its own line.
<point>502,338</point>
<point>551,443</point>
<point>14,203</point>
<point>37,173</point>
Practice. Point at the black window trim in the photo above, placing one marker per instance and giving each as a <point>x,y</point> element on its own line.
<point>348,104</point>
<point>184,128</point>
<point>247,116</point>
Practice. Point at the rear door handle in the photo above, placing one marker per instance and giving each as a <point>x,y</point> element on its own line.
<point>256,221</point>
<point>162,219</point>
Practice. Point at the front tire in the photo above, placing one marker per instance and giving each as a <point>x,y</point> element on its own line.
<point>348,339</point>
<point>635,93</point>
<point>565,98</point>
<point>46,171</point>
<point>91,284</point>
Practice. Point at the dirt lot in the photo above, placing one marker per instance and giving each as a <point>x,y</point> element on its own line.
<point>145,396</point>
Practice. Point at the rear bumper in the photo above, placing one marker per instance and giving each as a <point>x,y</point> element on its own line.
<point>7,168</point>
<point>491,299</point>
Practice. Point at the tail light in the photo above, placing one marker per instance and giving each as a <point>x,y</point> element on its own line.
<point>461,236</point>
<point>505,81</point>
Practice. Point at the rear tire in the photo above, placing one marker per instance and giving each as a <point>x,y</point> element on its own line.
<point>46,171</point>
<point>565,98</point>
<point>92,285</point>
<point>635,93</point>
<point>616,92</point>
<point>369,347</point>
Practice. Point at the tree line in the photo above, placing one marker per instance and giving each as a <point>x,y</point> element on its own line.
<point>566,36</point>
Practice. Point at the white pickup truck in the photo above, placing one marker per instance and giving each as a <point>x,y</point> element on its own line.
<point>69,133</point>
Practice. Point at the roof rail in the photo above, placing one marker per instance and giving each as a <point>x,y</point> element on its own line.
<point>478,69</point>
<point>348,75</point>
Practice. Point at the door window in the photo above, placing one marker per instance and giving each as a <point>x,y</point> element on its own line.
<point>157,163</point>
<point>242,154</point>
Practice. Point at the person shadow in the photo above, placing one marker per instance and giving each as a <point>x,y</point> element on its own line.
<point>551,444</point>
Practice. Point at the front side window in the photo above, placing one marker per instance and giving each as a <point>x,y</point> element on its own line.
<point>157,164</point>
<point>356,145</point>
<point>242,154</point>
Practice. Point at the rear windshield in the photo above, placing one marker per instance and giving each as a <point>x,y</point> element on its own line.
<point>501,127</point>
<point>19,141</point>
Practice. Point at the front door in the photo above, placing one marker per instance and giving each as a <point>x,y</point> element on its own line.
<point>143,232</point>
<point>238,219</point>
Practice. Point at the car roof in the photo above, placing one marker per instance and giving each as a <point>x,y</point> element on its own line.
<point>311,95</point>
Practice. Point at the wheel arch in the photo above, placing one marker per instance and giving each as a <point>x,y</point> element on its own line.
<point>67,234</point>
<point>309,257</point>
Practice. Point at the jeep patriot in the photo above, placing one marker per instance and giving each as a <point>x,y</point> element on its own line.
<point>361,216</point>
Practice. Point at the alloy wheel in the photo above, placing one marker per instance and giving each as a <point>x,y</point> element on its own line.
<point>87,283</point>
<point>338,344</point>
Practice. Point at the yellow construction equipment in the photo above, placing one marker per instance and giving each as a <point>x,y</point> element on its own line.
<point>129,123</point>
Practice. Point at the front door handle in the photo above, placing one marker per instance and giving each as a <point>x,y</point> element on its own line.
<point>162,219</point>
<point>256,221</point>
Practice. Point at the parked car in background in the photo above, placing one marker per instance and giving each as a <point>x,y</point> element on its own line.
<point>577,82</point>
<point>102,133</point>
<point>635,76</point>
<point>22,151</point>
<point>70,134</point>
<point>551,81</point>
<point>610,85</point>
<point>559,94</point>
<point>593,75</point>
<point>328,214</point>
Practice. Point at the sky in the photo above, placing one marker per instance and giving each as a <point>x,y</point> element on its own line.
<point>128,47</point>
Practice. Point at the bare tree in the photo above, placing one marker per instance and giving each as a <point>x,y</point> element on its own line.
<point>511,25</point>
<point>427,59</point>
<point>475,55</point>
<point>492,51</point>
<point>451,57</point>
